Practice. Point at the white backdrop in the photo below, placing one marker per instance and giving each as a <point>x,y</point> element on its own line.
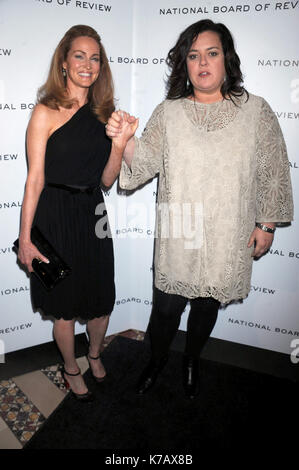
<point>137,36</point>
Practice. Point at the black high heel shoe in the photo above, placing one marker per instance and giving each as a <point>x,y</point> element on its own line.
<point>97,379</point>
<point>83,397</point>
<point>191,376</point>
<point>149,375</point>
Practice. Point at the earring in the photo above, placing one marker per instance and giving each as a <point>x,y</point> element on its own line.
<point>64,72</point>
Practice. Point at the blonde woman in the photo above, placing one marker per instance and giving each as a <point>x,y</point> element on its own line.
<point>69,156</point>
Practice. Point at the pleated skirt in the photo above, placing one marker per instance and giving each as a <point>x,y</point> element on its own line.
<point>69,223</point>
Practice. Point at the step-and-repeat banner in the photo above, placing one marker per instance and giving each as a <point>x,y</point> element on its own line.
<point>137,36</point>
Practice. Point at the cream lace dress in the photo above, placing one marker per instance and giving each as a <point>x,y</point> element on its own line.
<point>222,167</point>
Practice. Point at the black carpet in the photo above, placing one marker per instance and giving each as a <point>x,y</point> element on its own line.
<point>237,409</point>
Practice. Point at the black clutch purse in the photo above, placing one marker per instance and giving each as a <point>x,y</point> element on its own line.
<point>48,273</point>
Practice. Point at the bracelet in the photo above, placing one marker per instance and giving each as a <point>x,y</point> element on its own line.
<point>265,228</point>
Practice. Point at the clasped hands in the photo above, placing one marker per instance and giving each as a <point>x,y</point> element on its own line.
<point>121,127</point>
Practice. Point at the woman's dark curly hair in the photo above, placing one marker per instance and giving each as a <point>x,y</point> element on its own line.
<point>178,85</point>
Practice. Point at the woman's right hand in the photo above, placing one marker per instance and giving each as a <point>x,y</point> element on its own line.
<point>27,253</point>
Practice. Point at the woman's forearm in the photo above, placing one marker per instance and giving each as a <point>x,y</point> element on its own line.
<point>32,193</point>
<point>112,168</point>
<point>129,151</point>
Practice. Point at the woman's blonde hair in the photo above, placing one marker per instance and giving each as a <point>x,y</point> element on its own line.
<point>100,95</point>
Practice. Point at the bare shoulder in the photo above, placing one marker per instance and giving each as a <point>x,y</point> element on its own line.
<point>41,115</point>
<point>40,111</point>
<point>42,119</point>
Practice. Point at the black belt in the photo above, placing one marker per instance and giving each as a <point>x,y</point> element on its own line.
<point>73,189</point>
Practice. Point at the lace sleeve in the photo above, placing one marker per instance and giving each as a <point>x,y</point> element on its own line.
<point>148,154</point>
<point>274,201</point>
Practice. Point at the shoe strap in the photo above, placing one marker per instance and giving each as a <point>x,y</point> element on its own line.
<point>71,375</point>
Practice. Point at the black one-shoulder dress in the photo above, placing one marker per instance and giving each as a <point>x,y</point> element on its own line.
<point>76,155</point>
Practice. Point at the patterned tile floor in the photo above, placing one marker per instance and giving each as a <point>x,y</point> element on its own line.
<point>26,401</point>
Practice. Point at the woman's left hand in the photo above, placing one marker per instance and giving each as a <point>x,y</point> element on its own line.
<point>263,241</point>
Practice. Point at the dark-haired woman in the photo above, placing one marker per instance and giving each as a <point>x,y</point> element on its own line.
<point>69,156</point>
<point>223,167</point>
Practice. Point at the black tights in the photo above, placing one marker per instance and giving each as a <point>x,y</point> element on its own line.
<point>166,317</point>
